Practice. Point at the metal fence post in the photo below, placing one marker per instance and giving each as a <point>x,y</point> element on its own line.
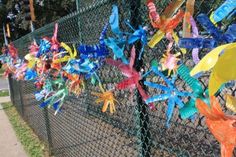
<point>10,89</point>
<point>48,130</point>
<point>142,119</point>
<point>21,102</point>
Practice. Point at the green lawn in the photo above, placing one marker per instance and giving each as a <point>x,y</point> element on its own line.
<point>32,145</point>
<point>1,71</point>
<point>4,93</point>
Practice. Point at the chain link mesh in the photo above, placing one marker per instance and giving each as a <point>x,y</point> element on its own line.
<point>134,130</point>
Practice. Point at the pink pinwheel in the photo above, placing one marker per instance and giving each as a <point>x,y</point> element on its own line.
<point>54,42</point>
<point>34,48</point>
<point>13,51</point>
<point>133,77</point>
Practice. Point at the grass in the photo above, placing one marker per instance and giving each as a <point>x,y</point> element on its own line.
<point>1,71</point>
<point>4,93</point>
<point>32,145</point>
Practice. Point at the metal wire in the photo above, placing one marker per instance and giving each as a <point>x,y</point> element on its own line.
<point>82,130</point>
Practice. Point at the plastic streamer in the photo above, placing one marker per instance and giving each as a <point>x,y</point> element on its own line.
<point>220,125</point>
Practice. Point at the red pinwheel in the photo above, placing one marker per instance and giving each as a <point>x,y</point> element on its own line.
<point>12,51</point>
<point>133,77</point>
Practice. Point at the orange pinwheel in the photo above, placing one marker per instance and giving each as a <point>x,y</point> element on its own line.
<point>222,126</point>
<point>75,83</point>
<point>107,97</point>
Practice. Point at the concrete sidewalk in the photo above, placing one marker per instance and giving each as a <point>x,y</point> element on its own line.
<point>4,99</point>
<point>9,144</point>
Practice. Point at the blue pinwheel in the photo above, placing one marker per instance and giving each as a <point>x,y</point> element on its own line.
<point>138,35</point>
<point>117,44</point>
<point>171,93</point>
<point>44,47</point>
<point>84,67</point>
<point>30,74</point>
<point>97,51</point>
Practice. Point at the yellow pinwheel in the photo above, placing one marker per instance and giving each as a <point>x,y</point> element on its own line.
<point>224,69</point>
<point>32,60</point>
<point>209,61</point>
<point>72,54</point>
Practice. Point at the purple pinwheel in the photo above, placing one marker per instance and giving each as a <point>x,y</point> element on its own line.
<point>171,93</point>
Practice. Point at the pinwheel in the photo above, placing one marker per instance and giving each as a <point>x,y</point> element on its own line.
<point>46,90</point>
<point>44,47</point>
<point>116,44</point>
<point>224,63</point>
<point>54,42</point>
<point>20,72</point>
<point>170,62</point>
<point>56,98</point>
<point>133,77</point>
<point>75,83</point>
<point>106,97</point>
<point>218,36</point>
<point>64,55</point>
<point>12,51</point>
<point>220,125</point>
<point>30,74</point>
<point>171,93</point>
<point>165,23</point>
<point>95,51</point>
<point>209,60</point>
<point>224,70</point>
<point>138,35</point>
<point>189,109</point>
<point>223,11</point>
<point>84,67</point>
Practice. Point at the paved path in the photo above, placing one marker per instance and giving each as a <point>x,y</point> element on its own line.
<point>9,144</point>
<point>4,99</point>
<point>3,83</point>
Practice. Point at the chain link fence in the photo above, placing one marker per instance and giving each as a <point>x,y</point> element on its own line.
<point>133,130</point>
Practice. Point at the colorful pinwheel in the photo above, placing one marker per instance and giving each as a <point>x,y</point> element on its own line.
<point>117,44</point>
<point>133,77</point>
<point>95,51</point>
<point>189,109</point>
<point>108,98</point>
<point>56,97</point>
<point>165,23</point>
<point>171,93</point>
<point>220,125</point>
